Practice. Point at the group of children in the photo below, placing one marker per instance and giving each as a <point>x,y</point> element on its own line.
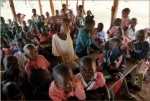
<point>48,59</point>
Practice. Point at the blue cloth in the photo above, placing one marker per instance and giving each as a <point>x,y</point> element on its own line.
<point>141,50</point>
<point>83,42</point>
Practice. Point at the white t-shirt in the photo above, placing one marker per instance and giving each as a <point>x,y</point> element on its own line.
<point>102,35</point>
<point>63,48</point>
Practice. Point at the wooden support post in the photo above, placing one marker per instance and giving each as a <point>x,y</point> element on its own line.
<point>83,3</point>
<point>40,7</point>
<point>12,7</point>
<point>52,7</point>
<point>114,10</point>
<point>67,3</point>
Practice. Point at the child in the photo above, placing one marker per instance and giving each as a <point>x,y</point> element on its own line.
<point>65,85</point>
<point>125,22</point>
<point>131,29</point>
<point>34,59</point>
<point>113,31</point>
<point>113,56</point>
<point>84,39</point>
<point>101,35</point>
<point>93,81</point>
<point>62,44</point>
<point>40,80</point>
<point>90,78</point>
<point>14,74</point>
<point>140,46</point>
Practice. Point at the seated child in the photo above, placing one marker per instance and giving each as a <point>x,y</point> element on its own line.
<point>100,34</point>
<point>35,61</point>
<point>91,79</point>
<point>140,46</point>
<point>114,60</point>
<point>65,85</point>
<point>40,80</point>
<point>15,74</point>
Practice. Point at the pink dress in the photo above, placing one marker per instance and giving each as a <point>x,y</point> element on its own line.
<point>39,62</point>
<point>99,81</point>
<point>58,94</point>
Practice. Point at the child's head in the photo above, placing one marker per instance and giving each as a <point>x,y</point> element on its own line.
<point>88,67</point>
<point>11,91</point>
<point>47,14</point>
<point>140,35</point>
<point>133,22</point>
<point>89,13</point>
<point>64,6</point>
<point>100,26</point>
<point>12,68</point>
<point>30,51</point>
<point>114,43</point>
<point>11,62</point>
<point>57,12</point>
<point>63,77</point>
<point>117,22</point>
<point>34,11</point>
<point>39,76</point>
<point>89,23</point>
<point>125,12</point>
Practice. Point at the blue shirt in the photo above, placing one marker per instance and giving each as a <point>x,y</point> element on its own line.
<point>83,42</point>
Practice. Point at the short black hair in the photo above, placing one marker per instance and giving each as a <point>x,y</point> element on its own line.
<point>61,70</point>
<point>101,26</point>
<point>12,61</point>
<point>86,61</point>
<point>126,10</point>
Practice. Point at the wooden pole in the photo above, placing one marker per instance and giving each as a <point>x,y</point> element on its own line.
<point>40,7</point>
<point>83,3</point>
<point>114,10</point>
<point>11,3</point>
<point>67,3</point>
<point>52,7</point>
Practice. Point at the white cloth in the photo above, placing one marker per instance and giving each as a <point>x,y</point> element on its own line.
<point>63,48</point>
<point>102,35</point>
<point>131,33</point>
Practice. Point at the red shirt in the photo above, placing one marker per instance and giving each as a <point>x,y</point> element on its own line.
<point>58,94</point>
<point>39,62</point>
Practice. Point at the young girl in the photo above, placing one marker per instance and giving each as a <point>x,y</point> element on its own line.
<point>65,85</point>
